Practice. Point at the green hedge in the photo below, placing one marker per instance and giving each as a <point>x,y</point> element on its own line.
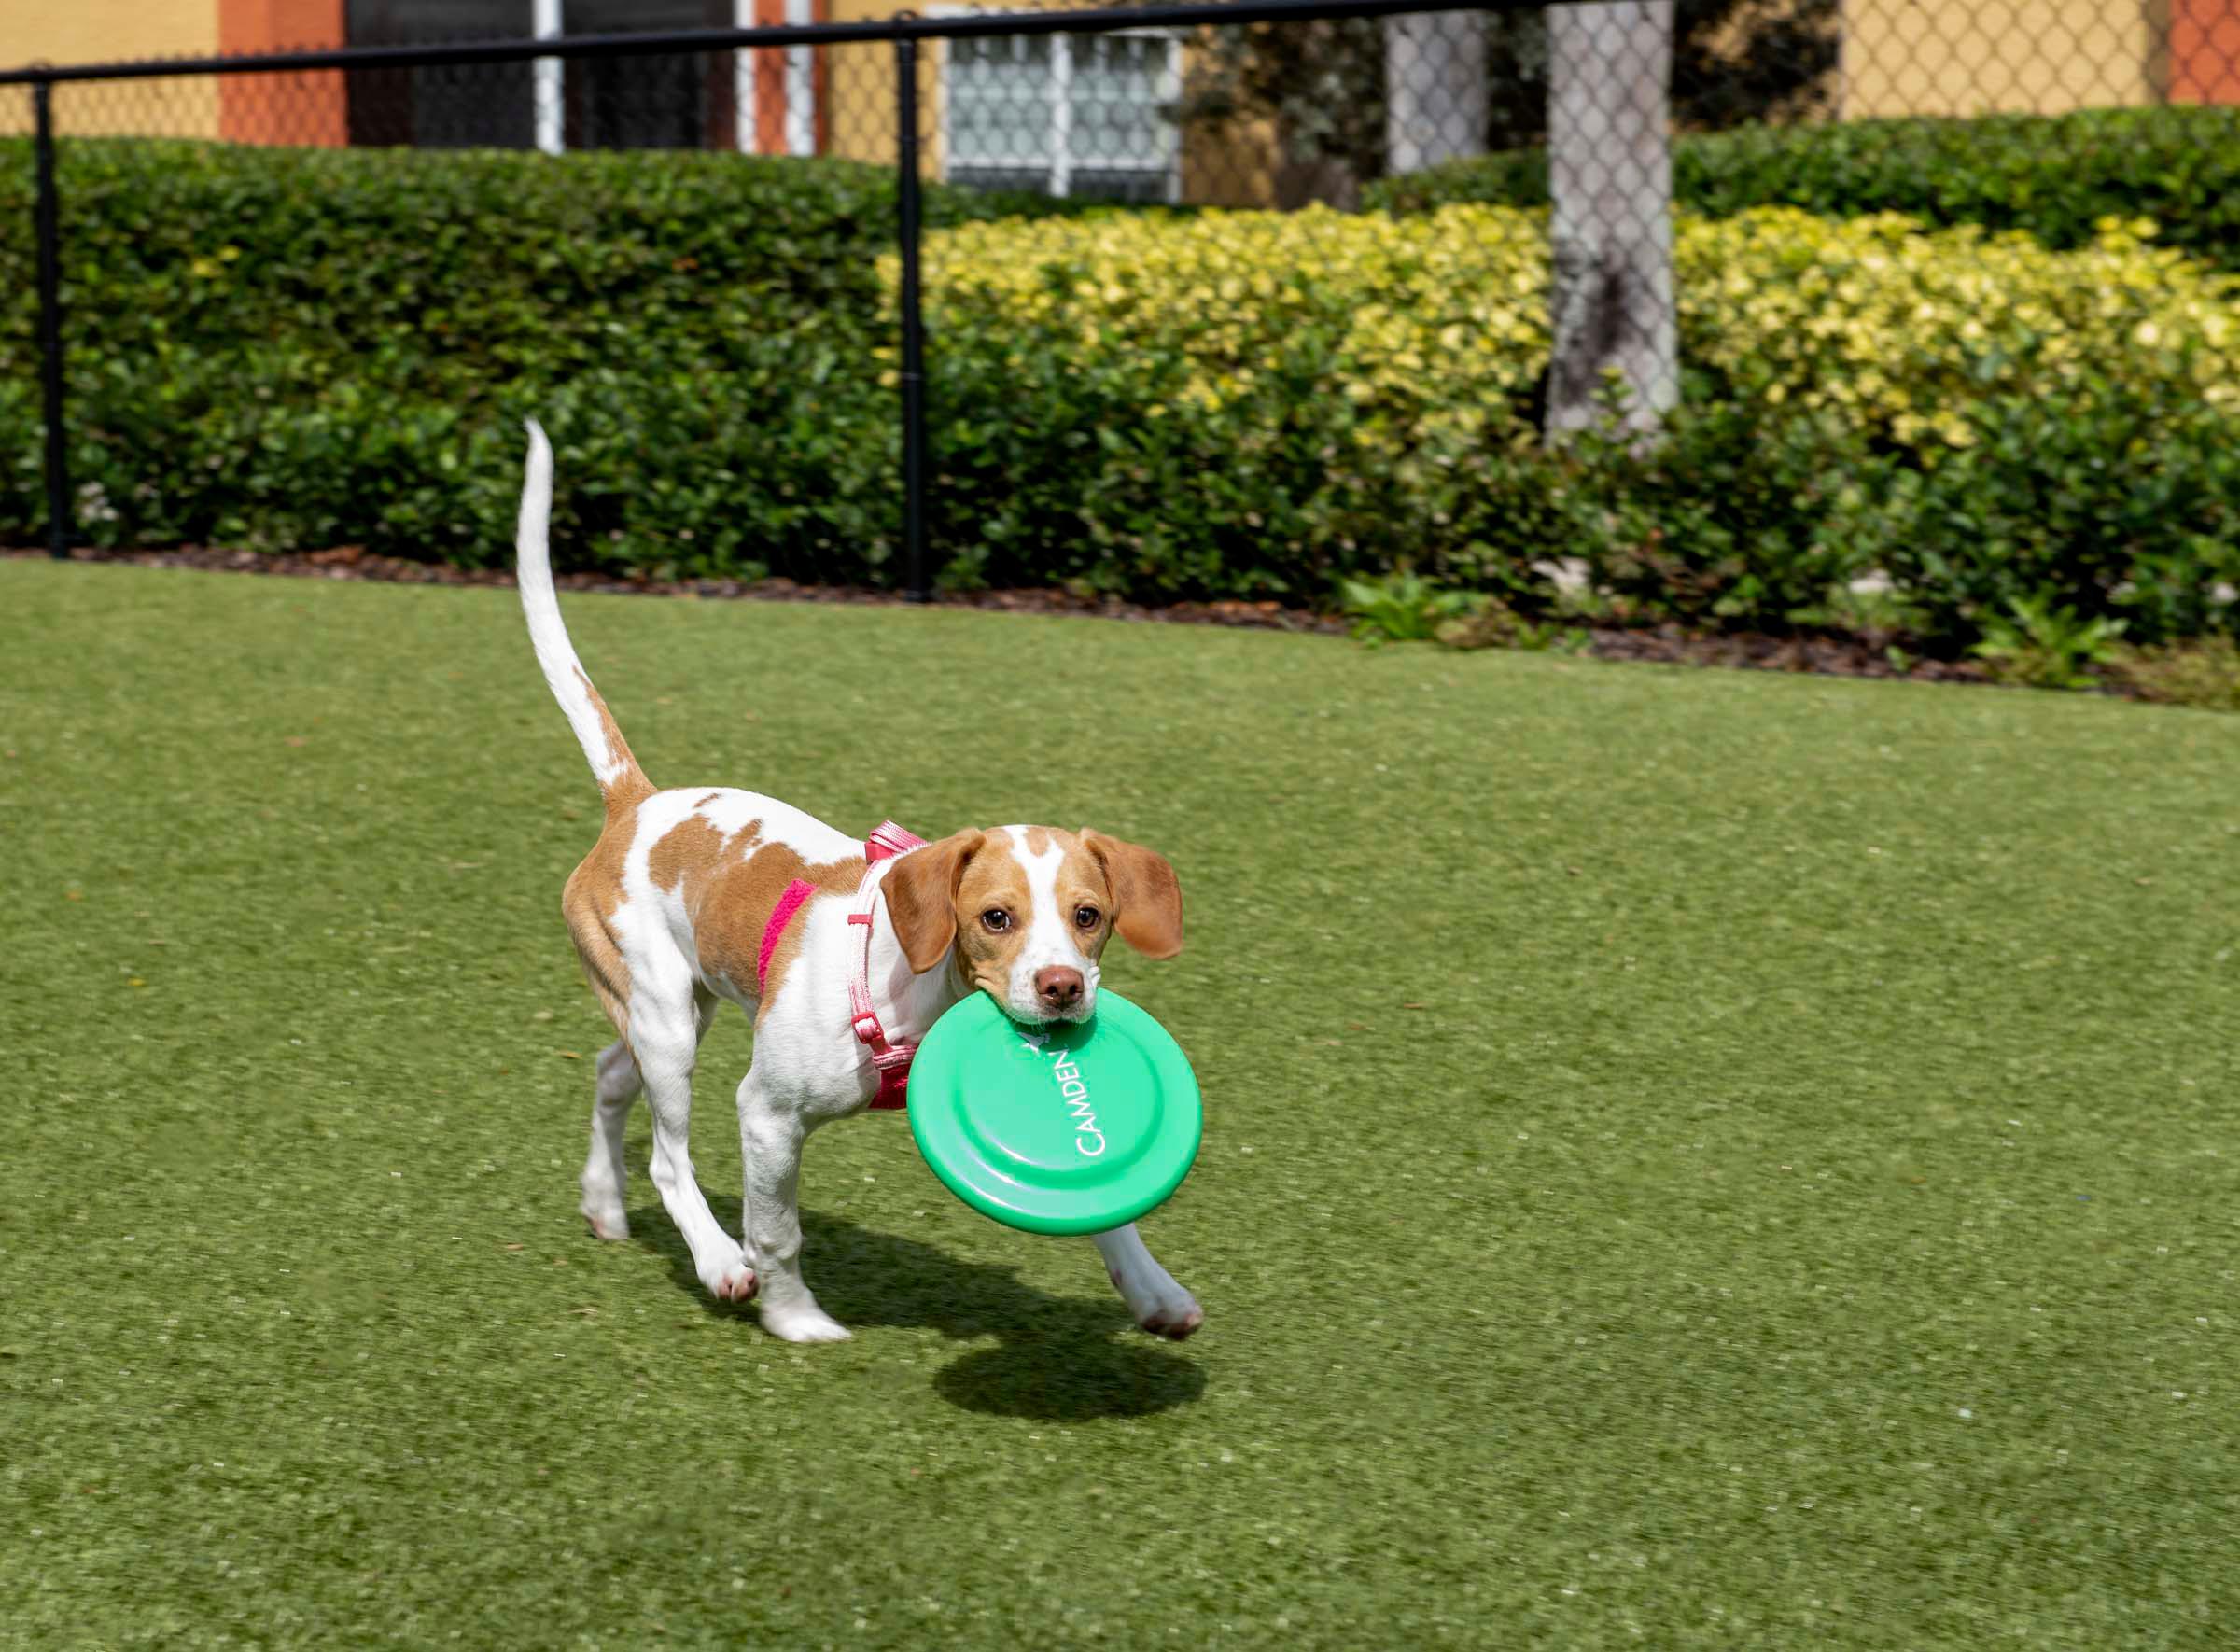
<point>290,347</point>
<point>294,349</point>
<point>2052,175</point>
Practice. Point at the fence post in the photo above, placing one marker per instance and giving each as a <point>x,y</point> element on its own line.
<point>46,223</point>
<point>913,360</point>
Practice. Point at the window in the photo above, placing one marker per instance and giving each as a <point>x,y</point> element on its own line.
<point>1068,114</point>
<point>666,101</point>
<point>467,105</point>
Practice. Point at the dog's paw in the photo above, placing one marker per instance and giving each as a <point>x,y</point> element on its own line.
<point>1173,1320</point>
<point>607,1221</point>
<point>803,1323</point>
<point>1160,1306</point>
<point>730,1281</point>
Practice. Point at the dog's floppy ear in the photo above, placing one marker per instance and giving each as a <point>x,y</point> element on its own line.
<point>1147,897</point>
<point>921,897</point>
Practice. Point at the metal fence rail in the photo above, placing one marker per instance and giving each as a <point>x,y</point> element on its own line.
<point>1268,102</point>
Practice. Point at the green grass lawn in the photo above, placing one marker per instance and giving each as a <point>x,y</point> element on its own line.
<point>1692,1158</point>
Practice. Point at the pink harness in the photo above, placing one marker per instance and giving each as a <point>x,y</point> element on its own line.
<point>892,1060</point>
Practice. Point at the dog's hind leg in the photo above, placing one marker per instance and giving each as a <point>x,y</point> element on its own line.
<point>604,1177</point>
<point>665,1028</point>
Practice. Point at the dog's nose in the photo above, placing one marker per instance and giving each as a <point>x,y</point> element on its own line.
<point>1058,988</point>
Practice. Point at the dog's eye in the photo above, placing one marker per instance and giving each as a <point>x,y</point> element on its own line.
<point>1086,917</point>
<point>997,920</point>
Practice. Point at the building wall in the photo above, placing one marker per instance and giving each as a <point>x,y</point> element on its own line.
<point>99,31</point>
<point>860,86</point>
<point>1978,57</point>
<point>2205,51</point>
<point>308,108</point>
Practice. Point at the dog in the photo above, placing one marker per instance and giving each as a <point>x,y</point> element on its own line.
<point>843,952</point>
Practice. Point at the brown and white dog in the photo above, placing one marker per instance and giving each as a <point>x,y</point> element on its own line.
<point>670,911</point>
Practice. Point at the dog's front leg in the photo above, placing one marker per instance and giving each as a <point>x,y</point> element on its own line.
<point>1152,1296</point>
<point>771,1132</point>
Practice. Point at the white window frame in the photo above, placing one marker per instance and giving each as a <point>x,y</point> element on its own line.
<point>1061,105</point>
<point>800,137</point>
<point>551,73</point>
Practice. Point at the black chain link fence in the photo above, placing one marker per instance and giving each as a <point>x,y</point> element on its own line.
<point>1312,107</point>
<point>1618,110</point>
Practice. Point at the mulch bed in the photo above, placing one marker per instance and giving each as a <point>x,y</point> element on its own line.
<point>1821,655</point>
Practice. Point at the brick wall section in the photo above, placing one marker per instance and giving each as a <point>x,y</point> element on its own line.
<point>307,109</point>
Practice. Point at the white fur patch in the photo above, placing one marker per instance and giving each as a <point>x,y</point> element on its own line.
<point>1049,936</point>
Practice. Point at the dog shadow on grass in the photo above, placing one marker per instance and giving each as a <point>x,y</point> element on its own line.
<point>1057,1359</point>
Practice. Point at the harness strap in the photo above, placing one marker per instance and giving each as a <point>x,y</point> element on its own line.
<point>888,841</point>
<point>781,914</point>
<point>890,1061</point>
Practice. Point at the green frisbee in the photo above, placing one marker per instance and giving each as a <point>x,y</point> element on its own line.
<point>1064,1128</point>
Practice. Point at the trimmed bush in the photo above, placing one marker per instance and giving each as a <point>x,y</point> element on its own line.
<point>1238,403</point>
<point>2056,177</point>
<point>301,347</point>
<point>1261,404</point>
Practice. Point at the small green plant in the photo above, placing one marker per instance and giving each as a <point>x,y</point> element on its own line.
<point>2204,674</point>
<point>1404,606</point>
<point>1868,607</point>
<point>2047,647</point>
<point>1493,625</point>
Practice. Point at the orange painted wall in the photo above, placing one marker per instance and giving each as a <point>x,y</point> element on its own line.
<point>103,31</point>
<point>308,108</point>
<point>770,82</point>
<point>2205,51</point>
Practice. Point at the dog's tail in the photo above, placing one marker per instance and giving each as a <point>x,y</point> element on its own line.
<point>623,783</point>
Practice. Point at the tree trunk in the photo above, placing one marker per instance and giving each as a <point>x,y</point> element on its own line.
<point>1434,89</point>
<point>1609,139</point>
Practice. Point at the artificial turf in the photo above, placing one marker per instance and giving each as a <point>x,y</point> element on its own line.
<point>1692,1158</point>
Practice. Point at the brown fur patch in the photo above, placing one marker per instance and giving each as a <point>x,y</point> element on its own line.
<point>630,788</point>
<point>589,901</point>
<point>1081,882</point>
<point>994,880</point>
<point>731,907</point>
<point>1146,896</point>
<point>689,846</point>
<point>920,892</point>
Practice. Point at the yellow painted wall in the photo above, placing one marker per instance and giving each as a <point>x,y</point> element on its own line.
<point>1978,57</point>
<point>101,31</point>
<point>860,82</point>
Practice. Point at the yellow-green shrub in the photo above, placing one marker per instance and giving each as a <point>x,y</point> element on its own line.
<point>1900,329</point>
<point>1438,321</point>
<point>1252,402</point>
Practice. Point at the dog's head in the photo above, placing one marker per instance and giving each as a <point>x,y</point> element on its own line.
<point>1027,911</point>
